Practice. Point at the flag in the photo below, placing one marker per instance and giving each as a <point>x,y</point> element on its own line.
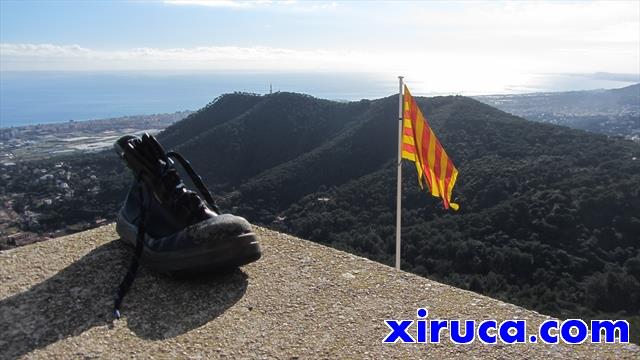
<point>420,145</point>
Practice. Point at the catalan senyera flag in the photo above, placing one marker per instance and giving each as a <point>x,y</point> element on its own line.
<point>420,145</point>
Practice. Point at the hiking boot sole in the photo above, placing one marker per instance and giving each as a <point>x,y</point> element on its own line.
<point>241,250</point>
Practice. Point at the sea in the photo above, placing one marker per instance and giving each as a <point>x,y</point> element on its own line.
<point>28,98</point>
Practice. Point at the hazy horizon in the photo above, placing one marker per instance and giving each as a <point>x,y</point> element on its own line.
<point>335,50</point>
<point>78,96</point>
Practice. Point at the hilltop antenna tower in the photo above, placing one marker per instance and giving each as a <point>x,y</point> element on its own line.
<point>270,88</point>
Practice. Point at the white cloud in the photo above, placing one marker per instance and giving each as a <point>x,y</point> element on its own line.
<point>211,3</point>
<point>75,57</point>
<point>237,4</point>
<point>427,71</point>
<point>294,6</point>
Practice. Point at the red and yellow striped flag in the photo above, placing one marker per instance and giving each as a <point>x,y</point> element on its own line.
<point>420,145</point>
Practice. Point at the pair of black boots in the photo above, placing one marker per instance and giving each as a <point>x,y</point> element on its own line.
<point>172,229</point>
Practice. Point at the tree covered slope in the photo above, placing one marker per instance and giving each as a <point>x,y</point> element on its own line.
<point>550,216</point>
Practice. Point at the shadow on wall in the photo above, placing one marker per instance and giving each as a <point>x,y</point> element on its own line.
<point>81,297</point>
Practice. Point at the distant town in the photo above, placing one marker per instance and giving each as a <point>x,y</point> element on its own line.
<point>46,140</point>
<point>613,112</point>
<point>61,180</point>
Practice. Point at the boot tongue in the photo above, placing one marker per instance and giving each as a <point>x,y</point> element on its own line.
<point>184,202</point>
<point>168,186</point>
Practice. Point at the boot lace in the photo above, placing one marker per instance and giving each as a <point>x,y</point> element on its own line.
<point>180,198</point>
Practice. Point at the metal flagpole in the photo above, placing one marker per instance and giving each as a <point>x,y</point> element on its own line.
<point>399,184</point>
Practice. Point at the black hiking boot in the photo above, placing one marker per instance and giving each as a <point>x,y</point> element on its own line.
<point>172,229</point>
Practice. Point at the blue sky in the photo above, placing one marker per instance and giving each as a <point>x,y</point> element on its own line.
<point>470,47</point>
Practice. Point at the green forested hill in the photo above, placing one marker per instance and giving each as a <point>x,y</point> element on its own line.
<point>549,218</point>
<point>276,129</point>
<point>219,111</point>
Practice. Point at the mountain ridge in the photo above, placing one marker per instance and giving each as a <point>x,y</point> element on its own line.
<point>248,134</point>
